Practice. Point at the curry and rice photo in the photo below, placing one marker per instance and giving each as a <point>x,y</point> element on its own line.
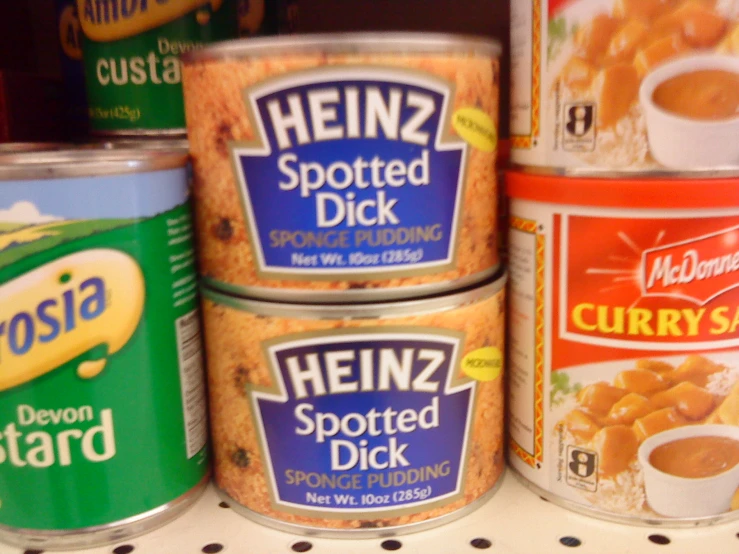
<point>630,84</point>
<point>620,426</point>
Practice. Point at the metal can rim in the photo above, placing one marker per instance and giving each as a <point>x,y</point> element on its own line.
<point>92,162</point>
<point>347,43</point>
<point>613,173</point>
<point>363,310</point>
<point>21,147</point>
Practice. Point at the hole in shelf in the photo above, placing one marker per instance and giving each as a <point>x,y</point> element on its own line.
<point>659,539</point>
<point>224,505</point>
<point>391,545</point>
<point>572,542</point>
<point>33,552</point>
<point>212,548</point>
<point>481,543</point>
<point>302,546</point>
<point>123,549</point>
<point>544,499</point>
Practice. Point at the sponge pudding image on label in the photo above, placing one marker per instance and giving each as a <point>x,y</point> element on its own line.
<point>362,164</point>
<point>625,345</point>
<point>637,85</point>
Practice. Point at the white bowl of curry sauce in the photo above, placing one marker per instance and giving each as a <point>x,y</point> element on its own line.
<point>691,107</point>
<point>691,471</point>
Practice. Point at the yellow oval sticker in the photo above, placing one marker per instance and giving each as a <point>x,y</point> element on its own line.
<point>476,128</point>
<point>483,364</point>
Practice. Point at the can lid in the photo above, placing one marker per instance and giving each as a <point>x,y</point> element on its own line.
<point>347,43</point>
<point>362,310</point>
<point>642,192</point>
<point>88,162</point>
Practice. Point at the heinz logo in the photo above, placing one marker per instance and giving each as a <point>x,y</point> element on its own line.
<point>348,165</point>
<point>698,270</point>
<point>63,309</point>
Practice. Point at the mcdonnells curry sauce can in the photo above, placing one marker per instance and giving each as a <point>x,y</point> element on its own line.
<point>638,85</point>
<point>102,395</point>
<point>624,350</point>
<point>132,63</point>
<point>357,420</point>
<point>353,165</point>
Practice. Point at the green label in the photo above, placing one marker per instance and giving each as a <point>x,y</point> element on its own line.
<point>135,82</point>
<point>102,397</point>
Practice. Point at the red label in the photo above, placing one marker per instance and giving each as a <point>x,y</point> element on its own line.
<point>645,284</point>
<point>557,5</point>
<point>697,270</point>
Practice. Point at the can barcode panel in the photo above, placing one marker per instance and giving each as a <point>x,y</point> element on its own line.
<point>192,381</point>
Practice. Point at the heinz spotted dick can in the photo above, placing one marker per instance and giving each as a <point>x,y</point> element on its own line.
<point>360,420</point>
<point>353,166</point>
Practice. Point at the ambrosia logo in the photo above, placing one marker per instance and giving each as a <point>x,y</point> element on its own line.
<point>354,170</point>
<point>698,270</point>
<point>380,417</point>
<point>63,309</point>
<point>107,20</point>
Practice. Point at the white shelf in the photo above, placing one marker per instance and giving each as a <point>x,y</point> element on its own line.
<point>515,521</point>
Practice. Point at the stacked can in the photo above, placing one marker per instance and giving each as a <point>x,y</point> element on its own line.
<point>103,426</point>
<point>353,301</point>
<point>624,248</point>
<point>131,56</point>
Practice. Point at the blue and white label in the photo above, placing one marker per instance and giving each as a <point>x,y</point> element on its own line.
<point>365,421</point>
<point>354,171</point>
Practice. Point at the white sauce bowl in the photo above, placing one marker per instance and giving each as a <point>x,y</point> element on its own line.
<point>683,497</point>
<point>681,143</point>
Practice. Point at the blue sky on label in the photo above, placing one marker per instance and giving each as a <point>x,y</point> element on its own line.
<point>105,197</point>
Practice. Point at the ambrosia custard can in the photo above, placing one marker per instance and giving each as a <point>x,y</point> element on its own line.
<point>637,85</point>
<point>132,52</point>
<point>103,425</point>
<point>357,420</point>
<point>360,165</point>
<point>624,350</point>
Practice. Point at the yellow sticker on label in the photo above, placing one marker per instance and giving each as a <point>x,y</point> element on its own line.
<point>65,308</point>
<point>476,128</point>
<point>483,364</point>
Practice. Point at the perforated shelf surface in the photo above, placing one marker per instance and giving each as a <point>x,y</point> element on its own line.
<point>513,521</point>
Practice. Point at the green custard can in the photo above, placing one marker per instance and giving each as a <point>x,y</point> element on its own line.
<point>131,56</point>
<point>103,428</point>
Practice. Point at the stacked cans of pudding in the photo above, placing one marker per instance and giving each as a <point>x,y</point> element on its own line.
<point>624,248</point>
<point>353,299</point>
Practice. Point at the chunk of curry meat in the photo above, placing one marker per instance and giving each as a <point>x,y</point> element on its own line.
<point>579,73</point>
<point>641,381</point>
<point>616,447</point>
<point>598,398</point>
<point>691,401</point>
<point>701,26</point>
<point>656,422</point>
<point>658,52</point>
<point>730,44</point>
<point>643,9</point>
<point>627,410</point>
<point>696,369</point>
<point>615,88</point>
<point>580,425</point>
<point>592,39</point>
<point>625,41</point>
